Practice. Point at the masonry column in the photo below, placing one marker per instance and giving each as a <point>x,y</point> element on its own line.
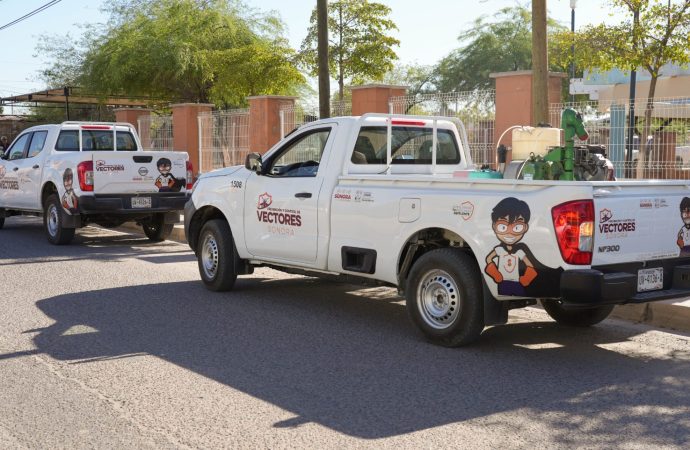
<point>131,115</point>
<point>514,100</point>
<point>264,120</point>
<point>186,129</point>
<point>374,98</point>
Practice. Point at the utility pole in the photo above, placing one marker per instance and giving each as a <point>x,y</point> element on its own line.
<point>540,64</point>
<point>629,169</point>
<point>324,75</point>
<point>573,5</point>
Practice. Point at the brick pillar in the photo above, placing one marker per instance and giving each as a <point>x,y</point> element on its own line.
<point>514,100</point>
<point>131,115</point>
<point>264,120</point>
<point>374,98</point>
<point>186,129</point>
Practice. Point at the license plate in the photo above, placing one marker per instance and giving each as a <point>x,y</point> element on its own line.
<point>141,202</point>
<point>650,279</point>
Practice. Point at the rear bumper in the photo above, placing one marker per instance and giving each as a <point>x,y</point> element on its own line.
<point>617,285</point>
<point>122,204</point>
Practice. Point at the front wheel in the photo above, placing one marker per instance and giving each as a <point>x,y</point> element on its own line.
<point>580,317</point>
<point>52,222</point>
<point>217,256</point>
<point>157,230</point>
<point>444,297</point>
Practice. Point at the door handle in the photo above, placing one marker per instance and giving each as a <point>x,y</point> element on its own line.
<point>36,166</point>
<point>303,195</point>
<point>15,169</point>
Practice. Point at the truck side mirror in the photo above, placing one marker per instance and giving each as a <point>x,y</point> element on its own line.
<point>253,163</point>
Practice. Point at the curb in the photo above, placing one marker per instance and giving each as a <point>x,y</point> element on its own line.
<point>669,314</point>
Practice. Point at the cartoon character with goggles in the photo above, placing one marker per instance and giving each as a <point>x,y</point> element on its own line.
<point>508,263</point>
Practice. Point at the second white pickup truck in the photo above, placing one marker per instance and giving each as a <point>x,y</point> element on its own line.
<point>78,173</point>
<point>397,201</point>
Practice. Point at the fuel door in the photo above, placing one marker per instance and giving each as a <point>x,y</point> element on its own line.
<point>410,209</point>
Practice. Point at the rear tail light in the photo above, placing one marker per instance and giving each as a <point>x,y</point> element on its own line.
<point>574,224</point>
<point>190,176</point>
<point>85,173</point>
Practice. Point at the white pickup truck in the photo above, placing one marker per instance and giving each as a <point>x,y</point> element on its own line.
<point>397,201</point>
<point>78,173</point>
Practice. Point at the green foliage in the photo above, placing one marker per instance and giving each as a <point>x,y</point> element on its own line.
<point>501,43</point>
<point>360,46</point>
<point>659,37</point>
<point>216,51</point>
<point>418,78</point>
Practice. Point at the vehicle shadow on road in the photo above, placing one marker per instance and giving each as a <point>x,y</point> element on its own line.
<point>354,363</point>
<point>90,243</point>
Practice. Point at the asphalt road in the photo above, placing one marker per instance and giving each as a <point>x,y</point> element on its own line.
<point>114,342</point>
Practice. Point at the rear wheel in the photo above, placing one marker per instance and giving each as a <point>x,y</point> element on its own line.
<point>217,256</point>
<point>444,297</point>
<point>580,317</point>
<point>157,230</point>
<point>52,222</point>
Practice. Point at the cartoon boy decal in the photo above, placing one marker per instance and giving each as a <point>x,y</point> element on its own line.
<point>683,240</point>
<point>165,181</point>
<point>69,198</point>
<point>508,264</point>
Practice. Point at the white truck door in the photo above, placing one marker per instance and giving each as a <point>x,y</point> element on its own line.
<point>10,184</point>
<point>281,205</point>
<point>30,171</point>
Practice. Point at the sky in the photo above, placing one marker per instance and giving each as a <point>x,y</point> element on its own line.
<point>427,29</point>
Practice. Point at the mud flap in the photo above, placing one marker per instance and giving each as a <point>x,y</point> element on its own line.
<point>71,221</point>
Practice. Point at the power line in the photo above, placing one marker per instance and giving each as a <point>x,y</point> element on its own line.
<point>32,13</point>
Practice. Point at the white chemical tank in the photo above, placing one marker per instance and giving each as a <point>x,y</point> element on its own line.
<point>528,140</point>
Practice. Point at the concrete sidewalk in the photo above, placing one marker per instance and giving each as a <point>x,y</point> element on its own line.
<point>672,314</point>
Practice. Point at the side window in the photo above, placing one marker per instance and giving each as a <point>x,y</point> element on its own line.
<point>68,141</point>
<point>301,157</point>
<point>17,149</point>
<point>410,145</point>
<point>125,142</point>
<point>37,143</point>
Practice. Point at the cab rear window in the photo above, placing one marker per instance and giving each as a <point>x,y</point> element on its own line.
<point>95,140</point>
<point>410,145</point>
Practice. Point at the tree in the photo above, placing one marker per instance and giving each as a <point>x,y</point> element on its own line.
<point>360,46</point>
<point>501,43</point>
<point>659,36</point>
<point>215,51</point>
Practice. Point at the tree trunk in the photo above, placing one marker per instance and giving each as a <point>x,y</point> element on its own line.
<point>341,83</point>
<point>540,64</point>
<point>643,154</point>
<point>324,75</point>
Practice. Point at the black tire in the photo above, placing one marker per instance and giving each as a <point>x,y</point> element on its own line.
<point>2,222</point>
<point>576,317</point>
<point>157,230</point>
<point>52,222</point>
<point>444,297</point>
<point>217,256</point>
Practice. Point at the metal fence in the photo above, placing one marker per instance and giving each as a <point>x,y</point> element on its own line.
<point>667,144</point>
<point>295,115</point>
<point>476,110</point>
<point>223,139</point>
<point>156,132</point>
